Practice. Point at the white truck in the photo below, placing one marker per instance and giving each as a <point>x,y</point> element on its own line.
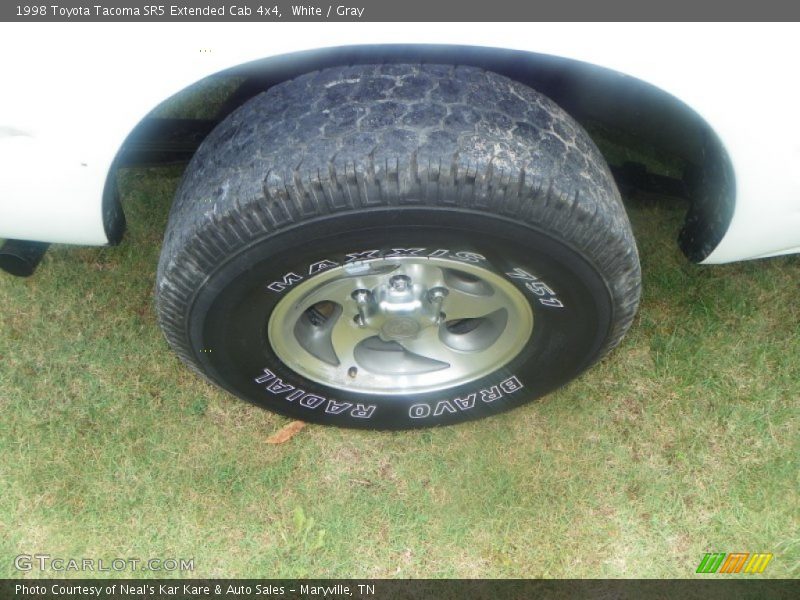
<point>399,226</point>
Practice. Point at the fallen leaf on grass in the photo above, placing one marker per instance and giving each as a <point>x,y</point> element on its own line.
<point>284,434</point>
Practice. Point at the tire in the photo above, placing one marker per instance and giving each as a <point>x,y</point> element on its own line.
<point>323,232</point>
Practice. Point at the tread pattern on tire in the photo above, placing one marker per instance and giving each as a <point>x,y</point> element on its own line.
<point>353,138</point>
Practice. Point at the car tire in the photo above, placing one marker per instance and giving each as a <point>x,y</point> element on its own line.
<point>394,247</point>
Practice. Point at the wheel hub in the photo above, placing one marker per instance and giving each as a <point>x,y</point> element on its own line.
<point>396,326</point>
<point>398,309</point>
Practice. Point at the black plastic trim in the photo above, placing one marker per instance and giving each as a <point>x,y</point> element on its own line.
<point>113,215</point>
<point>21,257</point>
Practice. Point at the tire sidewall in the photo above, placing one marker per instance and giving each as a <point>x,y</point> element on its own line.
<point>227,319</point>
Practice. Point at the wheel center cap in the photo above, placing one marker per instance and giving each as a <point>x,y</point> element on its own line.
<point>400,328</point>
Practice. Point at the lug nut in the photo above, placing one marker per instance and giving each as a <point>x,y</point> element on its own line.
<point>361,296</point>
<point>363,299</point>
<point>436,296</point>
<point>400,283</point>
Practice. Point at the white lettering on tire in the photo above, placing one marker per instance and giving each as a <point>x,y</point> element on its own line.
<point>277,387</point>
<point>545,294</point>
<point>357,258</point>
<point>508,386</point>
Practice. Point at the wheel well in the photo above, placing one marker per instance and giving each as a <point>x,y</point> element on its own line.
<point>649,137</point>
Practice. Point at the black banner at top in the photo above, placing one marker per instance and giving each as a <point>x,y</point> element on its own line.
<point>396,10</point>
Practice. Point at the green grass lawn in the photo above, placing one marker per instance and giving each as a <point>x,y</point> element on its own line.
<point>683,441</point>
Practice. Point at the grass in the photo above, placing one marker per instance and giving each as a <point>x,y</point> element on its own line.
<point>683,441</point>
